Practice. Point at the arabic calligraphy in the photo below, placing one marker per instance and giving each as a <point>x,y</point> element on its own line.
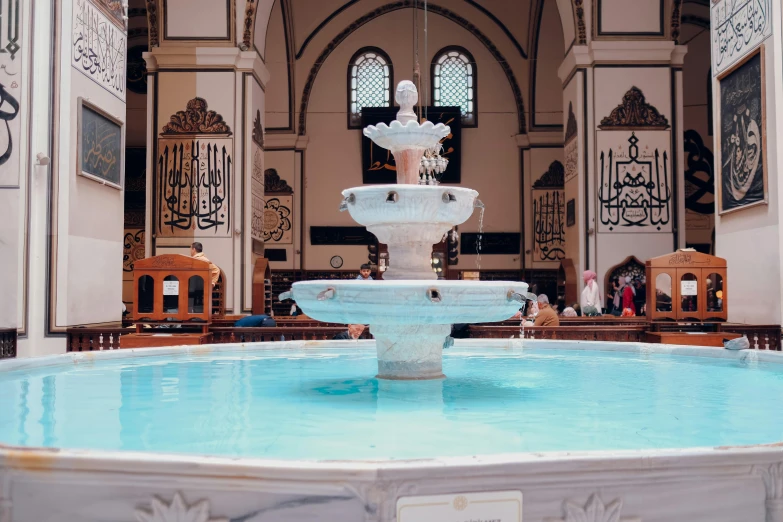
<point>739,25</point>
<point>699,178</point>
<point>101,148</point>
<point>548,229</point>
<point>277,222</point>
<point>742,164</point>
<point>194,186</point>
<point>11,92</point>
<point>99,48</point>
<point>7,116</point>
<point>634,188</point>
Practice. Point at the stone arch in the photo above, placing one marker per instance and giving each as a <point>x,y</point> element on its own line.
<point>409,4</point>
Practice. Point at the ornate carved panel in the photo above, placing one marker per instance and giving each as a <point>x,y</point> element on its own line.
<point>634,113</point>
<point>161,511</point>
<point>571,146</point>
<point>258,130</point>
<point>273,183</point>
<point>13,52</point>
<point>635,183</point>
<point>594,510</point>
<point>629,267</point>
<point>196,119</point>
<point>98,47</point>
<point>152,22</point>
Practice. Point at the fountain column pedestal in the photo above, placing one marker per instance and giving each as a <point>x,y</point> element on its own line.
<point>410,351</point>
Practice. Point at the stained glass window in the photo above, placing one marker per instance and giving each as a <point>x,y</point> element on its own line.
<point>369,83</point>
<point>454,82</point>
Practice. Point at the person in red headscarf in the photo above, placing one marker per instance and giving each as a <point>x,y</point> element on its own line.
<point>591,295</point>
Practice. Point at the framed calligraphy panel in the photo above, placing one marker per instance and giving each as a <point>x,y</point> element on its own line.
<point>742,135</point>
<point>378,165</point>
<point>548,224</point>
<point>100,150</point>
<point>737,27</point>
<point>98,48</point>
<point>277,219</point>
<point>635,191</point>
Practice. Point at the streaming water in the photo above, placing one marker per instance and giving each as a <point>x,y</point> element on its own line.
<point>480,233</point>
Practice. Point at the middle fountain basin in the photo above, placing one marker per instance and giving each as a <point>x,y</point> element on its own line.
<point>409,302</point>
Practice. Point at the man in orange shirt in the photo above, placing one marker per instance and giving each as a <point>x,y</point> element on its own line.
<point>546,314</point>
<point>196,253</point>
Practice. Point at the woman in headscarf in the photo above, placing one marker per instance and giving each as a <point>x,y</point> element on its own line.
<point>591,295</point>
<point>628,294</point>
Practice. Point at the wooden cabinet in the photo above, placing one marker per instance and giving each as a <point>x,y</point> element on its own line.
<point>687,285</point>
<point>262,288</point>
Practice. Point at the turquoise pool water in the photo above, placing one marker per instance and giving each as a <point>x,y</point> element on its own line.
<point>325,405</point>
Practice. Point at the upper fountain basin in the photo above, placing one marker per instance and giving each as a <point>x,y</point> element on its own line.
<point>408,302</point>
<point>402,204</point>
<point>398,136</point>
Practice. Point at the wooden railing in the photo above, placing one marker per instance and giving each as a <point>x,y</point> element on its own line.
<point>562,333</point>
<point>7,343</point>
<point>761,337</point>
<point>94,339</point>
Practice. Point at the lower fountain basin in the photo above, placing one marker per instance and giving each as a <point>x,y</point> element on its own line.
<point>408,302</point>
<point>648,433</point>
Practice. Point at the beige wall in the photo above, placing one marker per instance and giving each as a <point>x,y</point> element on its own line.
<point>548,101</point>
<point>277,91</point>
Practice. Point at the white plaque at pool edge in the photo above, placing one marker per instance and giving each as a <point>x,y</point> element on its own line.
<point>494,506</point>
<point>689,287</point>
<point>170,287</point>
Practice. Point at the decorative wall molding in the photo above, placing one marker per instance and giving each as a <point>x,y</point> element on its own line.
<point>593,511</point>
<point>571,127</point>
<point>177,510</point>
<point>554,177</point>
<point>274,185</point>
<point>633,113</point>
<point>676,20</point>
<point>772,475</point>
<point>258,130</point>
<point>152,23</point>
<point>408,4</point>
<point>579,12</point>
<point>249,24</point>
<point>196,119</point>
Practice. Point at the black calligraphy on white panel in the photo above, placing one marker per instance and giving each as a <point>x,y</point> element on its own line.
<point>738,27</point>
<point>635,188</point>
<point>194,187</point>
<point>548,224</point>
<point>99,48</point>
<point>12,86</point>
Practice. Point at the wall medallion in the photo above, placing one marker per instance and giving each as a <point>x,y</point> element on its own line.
<point>277,219</point>
<point>336,262</point>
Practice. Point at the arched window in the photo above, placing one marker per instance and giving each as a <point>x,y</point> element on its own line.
<point>454,83</point>
<point>369,83</point>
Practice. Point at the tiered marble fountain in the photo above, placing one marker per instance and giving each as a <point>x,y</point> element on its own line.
<point>409,313</point>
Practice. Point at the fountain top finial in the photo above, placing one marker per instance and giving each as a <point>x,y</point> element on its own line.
<point>407,96</point>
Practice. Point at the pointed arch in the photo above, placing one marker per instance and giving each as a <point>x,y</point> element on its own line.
<point>409,4</point>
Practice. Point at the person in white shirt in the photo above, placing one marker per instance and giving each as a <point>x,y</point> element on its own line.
<point>591,295</point>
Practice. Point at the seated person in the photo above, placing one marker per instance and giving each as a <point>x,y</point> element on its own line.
<point>255,321</point>
<point>546,315</point>
<point>364,273</point>
<point>354,331</point>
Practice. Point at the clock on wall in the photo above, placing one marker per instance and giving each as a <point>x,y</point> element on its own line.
<point>336,262</point>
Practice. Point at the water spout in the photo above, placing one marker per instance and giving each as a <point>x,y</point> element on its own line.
<point>448,197</point>
<point>434,295</point>
<point>516,296</point>
<point>285,295</point>
<point>351,199</point>
<point>478,204</point>
<point>326,294</point>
